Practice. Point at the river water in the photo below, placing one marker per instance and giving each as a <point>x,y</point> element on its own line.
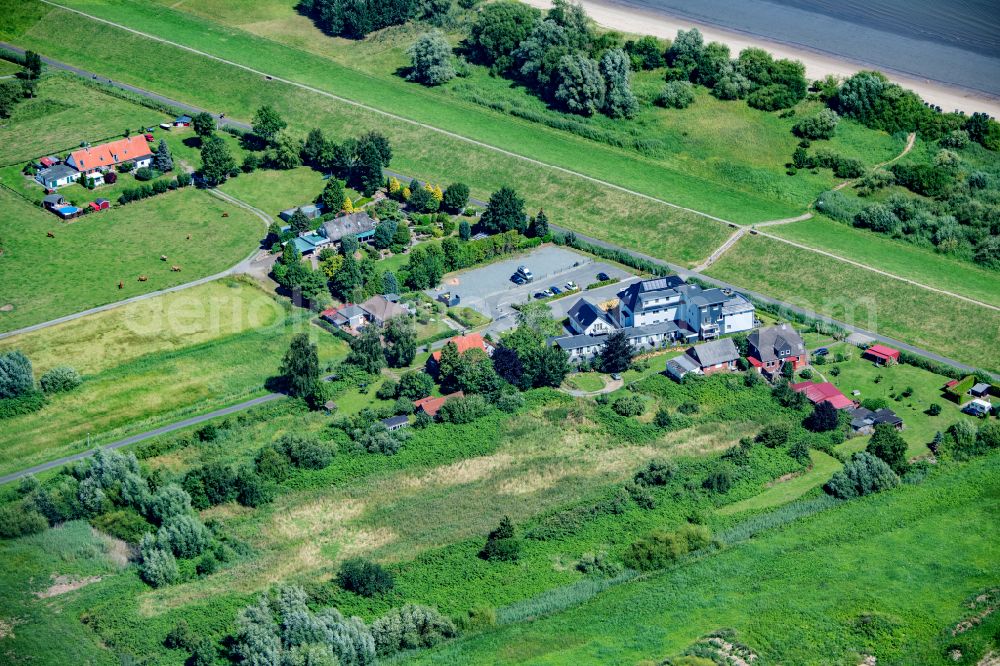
<point>948,41</point>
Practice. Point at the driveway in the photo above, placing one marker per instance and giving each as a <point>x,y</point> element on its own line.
<point>489,289</point>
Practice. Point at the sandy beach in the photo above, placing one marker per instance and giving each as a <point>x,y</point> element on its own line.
<point>818,65</point>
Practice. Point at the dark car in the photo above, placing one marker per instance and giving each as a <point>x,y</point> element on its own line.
<point>541,294</point>
<point>516,278</point>
<point>555,290</point>
<point>822,351</point>
<point>601,277</point>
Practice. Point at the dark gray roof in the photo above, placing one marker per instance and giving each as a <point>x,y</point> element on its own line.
<point>570,342</point>
<point>768,341</point>
<point>53,199</point>
<point>395,421</point>
<point>662,328</point>
<point>714,352</point>
<point>56,172</point>
<point>354,223</point>
<point>585,313</point>
<point>704,297</point>
<point>351,311</point>
<point>649,289</point>
<point>681,365</point>
<point>862,417</point>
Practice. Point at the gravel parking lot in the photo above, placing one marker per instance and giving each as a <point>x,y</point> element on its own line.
<point>489,289</point>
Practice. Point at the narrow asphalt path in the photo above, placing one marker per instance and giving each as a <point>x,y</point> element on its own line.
<point>163,430</point>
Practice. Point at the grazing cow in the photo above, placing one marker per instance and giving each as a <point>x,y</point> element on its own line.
<point>121,285</point>
<point>225,215</point>
<point>189,237</point>
<point>143,278</point>
<point>163,257</point>
<point>50,235</point>
<point>175,269</point>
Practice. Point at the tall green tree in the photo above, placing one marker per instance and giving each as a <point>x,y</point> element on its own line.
<point>505,211</point>
<point>616,353</point>
<point>464,230</point>
<point>619,102</point>
<point>540,227</point>
<point>580,87</point>
<point>348,280</point>
<point>299,222</point>
<point>162,161</point>
<point>33,64</point>
<point>300,367</point>
<point>332,197</point>
<point>431,60</point>
<point>499,28</point>
<point>216,161</point>
<point>314,148</point>
<point>456,196</point>
<point>366,350</point>
<point>400,342</point>
<point>887,444</point>
<point>16,377</point>
<point>267,123</point>
<point>203,124</point>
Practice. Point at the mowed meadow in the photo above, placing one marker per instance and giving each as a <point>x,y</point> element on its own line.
<point>605,212</point>
<point>153,362</point>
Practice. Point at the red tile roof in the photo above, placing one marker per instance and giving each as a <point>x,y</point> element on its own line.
<point>818,392</point>
<point>464,344</point>
<point>110,154</point>
<point>431,405</point>
<point>882,352</point>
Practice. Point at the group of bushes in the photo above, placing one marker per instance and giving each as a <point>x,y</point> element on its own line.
<point>18,392</point>
<point>152,189</point>
<point>282,628</point>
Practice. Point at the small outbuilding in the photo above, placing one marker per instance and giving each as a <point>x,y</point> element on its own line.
<point>57,175</point>
<point>182,121</point>
<point>396,422</point>
<point>980,390</point>
<point>881,355</point>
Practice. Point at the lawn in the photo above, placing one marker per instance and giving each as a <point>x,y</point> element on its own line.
<point>889,383</point>
<point>912,556</point>
<point>152,363</point>
<point>468,317</point>
<point>784,491</point>
<point>65,113</point>
<point>82,266</point>
<point>585,381</point>
<point>894,256</point>
<point>274,191</point>
<point>674,234</point>
<point>727,143</point>
<point>870,301</point>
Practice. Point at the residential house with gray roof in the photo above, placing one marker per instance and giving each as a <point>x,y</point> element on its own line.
<point>770,348</point>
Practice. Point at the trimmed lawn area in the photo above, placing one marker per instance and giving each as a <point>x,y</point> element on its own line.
<point>468,317</point>
<point>783,492</point>
<point>585,381</point>
<point>274,191</point>
<point>863,298</point>
<point>81,267</point>
<point>895,256</point>
<point>889,383</point>
<point>795,595</point>
<point>224,361</point>
<point>163,324</point>
<point>65,113</point>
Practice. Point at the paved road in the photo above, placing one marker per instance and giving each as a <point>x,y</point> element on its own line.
<point>194,420</point>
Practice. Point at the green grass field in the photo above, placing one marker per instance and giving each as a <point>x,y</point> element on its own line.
<point>788,490</point>
<point>889,383</point>
<point>45,278</point>
<point>585,381</point>
<point>954,328</point>
<point>153,362</point>
<point>912,556</point>
<point>63,114</point>
<point>896,257</point>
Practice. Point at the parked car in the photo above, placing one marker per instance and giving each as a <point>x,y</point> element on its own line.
<point>822,351</point>
<point>615,376</point>
<point>517,279</point>
<point>601,277</point>
<point>526,273</point>
<point>555,290</point>
<point>541,294</point>
<point>570,286</point>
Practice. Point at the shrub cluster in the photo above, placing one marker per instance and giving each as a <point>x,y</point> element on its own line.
<point>662,548</point>
<point>152,189</point>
